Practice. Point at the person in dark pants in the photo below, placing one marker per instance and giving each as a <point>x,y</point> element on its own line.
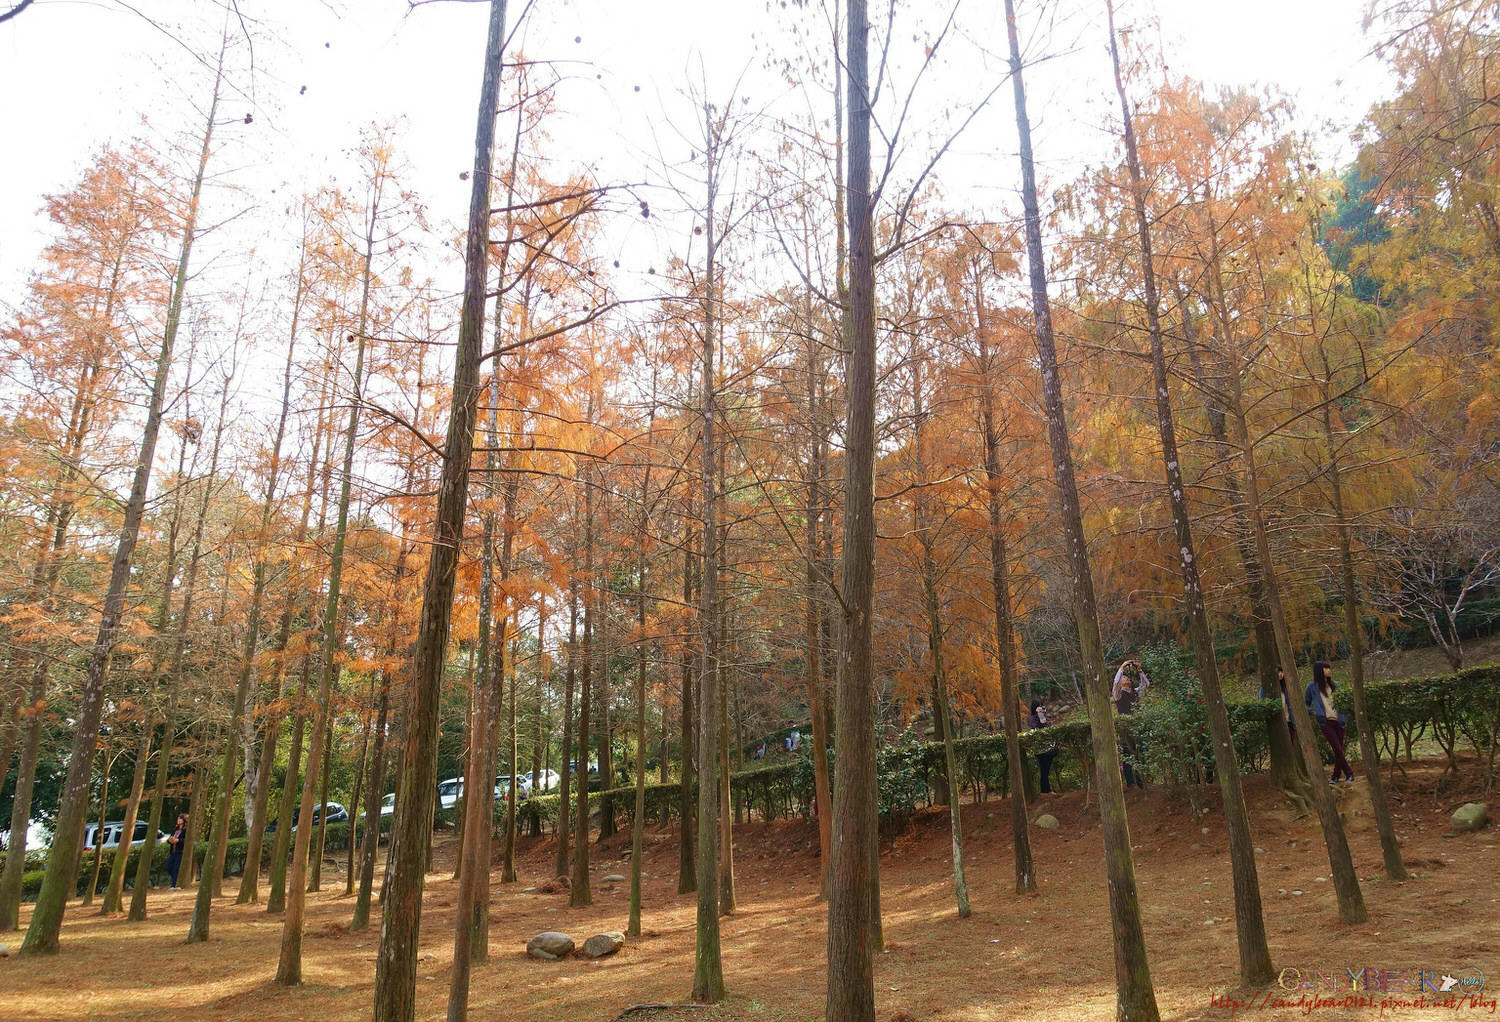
<point>175,840</point>
<point>1319,696</point>
<point>1130,750</point>
<point>1044,755</point>
<point>1286,705</point>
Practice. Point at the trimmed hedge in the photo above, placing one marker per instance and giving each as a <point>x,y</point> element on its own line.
<point>1455,710</point>
<point>909,773</point>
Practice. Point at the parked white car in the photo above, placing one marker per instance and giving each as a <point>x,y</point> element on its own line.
<point>388,804</point>
<point>112,831</point>
<point>449,792</point>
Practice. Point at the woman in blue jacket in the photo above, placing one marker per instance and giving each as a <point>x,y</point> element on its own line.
<point>1319,696</point>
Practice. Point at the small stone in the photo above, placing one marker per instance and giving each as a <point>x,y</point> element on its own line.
<point>602,944</point>
<point>1203,829</point>
<point>614,878</point>
<point>1470,817</point>
<point>1194,847</point>
<point>1320,880</point>
<point>4,951</point>
<point>1260,851</point>
<point>1281,890</point>
<point>550,946</point>
<point>1047,822</point>
<point>1298,893</point>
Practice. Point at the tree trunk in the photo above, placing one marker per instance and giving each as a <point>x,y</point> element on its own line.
<point>812,623</point>
<point>1369,752</point>
<point>58,882</point>
<point>20,808</point>
<point>687,874</point>
<point>373,802</point>
<point>1255,955</point>
<point>219,833</point>
<point>579,893</point>
<point>565,781</point>
<point>360,771</point>
<point>1345,881</point>
<point>93,884</point>
<point>1287,772</point>
<point>1005,648</point>
<point>708,969</point>
<point>638,818</point>
<point>249,892</point>
<point>1135,999</point>
<point>396,964</point>
<point>114,892</point>
<point>315,859</point>
<point>290,787</point>
<point>851,916</point>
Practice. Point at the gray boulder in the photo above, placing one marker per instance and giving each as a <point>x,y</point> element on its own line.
<point>550,946</point>
<point>602,944</point>
<point>1472,816</point>
<point>614,878</point>
<point>1047,822</point>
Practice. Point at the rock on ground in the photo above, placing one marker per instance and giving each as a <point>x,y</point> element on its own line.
<point>1047,822</point>
<point>614,878</point>
<point>1472,816</point>
<point>602,944</point>
<point>550,946</point>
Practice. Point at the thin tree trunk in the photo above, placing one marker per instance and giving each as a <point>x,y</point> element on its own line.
<point>249,891</point>
<point>93,885</point>
<point>396,964</point>
<point>290,788</point>
<point>360,772</point>
<point>1369,752</point>
<point>371,843</point>
<point>565,782</point>
<point>219,833</point>
<point>1256,969</point>
<point>708,969</point>
<point>315,859</point>
<point>1005,648</point>
<point>58,882</point>
<point>638,820</point>
<point>687,875</point>
<point>812,625</point>
<point>1345,881</point>
<point>1286,770</point>
<point>114,892</point>
<point>579,893</point>
<point>1135,999</point>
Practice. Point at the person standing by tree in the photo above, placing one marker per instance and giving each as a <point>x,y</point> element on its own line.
<point>1126,696</point>
<point>1133,670</point>
<point>1044,755</point>
<point>174,857</point>
<point>1319,697</point>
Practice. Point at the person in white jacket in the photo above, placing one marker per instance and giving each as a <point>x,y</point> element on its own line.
<point>1129,669</point>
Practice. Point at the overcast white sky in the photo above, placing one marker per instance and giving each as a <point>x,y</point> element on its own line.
<point>79,73</point>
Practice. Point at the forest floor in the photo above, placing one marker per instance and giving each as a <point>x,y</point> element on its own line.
<point>1041,956</point>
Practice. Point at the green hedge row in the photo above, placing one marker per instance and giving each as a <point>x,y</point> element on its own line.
<point>1456,710</point>
<point>910,773</point>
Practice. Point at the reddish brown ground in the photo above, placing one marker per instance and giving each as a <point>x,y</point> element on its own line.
<point>1046,956</point>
